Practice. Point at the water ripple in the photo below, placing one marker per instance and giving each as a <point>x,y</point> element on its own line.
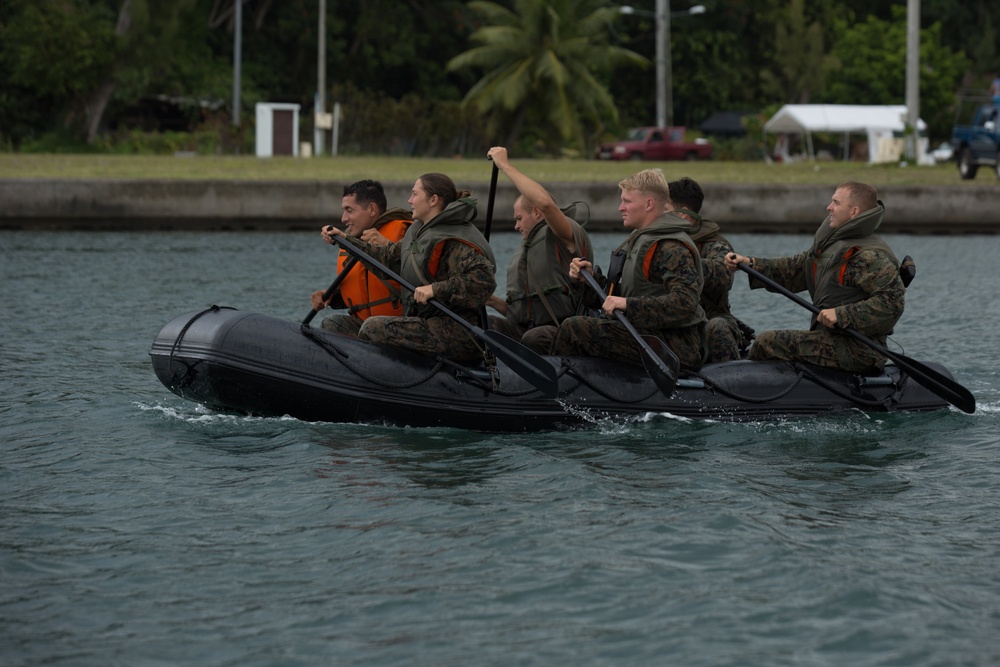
<point>136,528</point>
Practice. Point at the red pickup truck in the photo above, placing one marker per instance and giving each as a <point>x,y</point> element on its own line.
<point>655,143</point>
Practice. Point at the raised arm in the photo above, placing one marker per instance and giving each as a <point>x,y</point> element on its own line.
<point>539,196</point>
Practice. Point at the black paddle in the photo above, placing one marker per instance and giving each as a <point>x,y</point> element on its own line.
<point>660,361</point>
<point>334,286</point>
<point>489,202</point>
<point>484,320</point>
<point>938,383</point>
<point>526,363</point>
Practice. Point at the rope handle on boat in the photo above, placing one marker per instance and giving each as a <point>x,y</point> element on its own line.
<point>750,399</point>
<point>342,357</point>
<point>183,380</point>
<point>567,367</point>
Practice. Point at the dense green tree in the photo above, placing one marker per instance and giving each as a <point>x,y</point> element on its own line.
<point>35,38</point>
<point>88,65</point>
<point>970,27</point>
<point>78,54</point>
<point>714,66</point>
<point>873,71</point>
<point>390,46</point>
<point>539,60</point>
<point>800,62</point>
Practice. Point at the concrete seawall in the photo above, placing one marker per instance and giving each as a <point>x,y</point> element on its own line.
<point>153,205</point>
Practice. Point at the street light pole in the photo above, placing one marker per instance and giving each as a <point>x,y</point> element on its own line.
<point>320,78</point>
<point>913,79</point>
<point>237,58</point>
<point>664,94</point>
<point>664,61</point>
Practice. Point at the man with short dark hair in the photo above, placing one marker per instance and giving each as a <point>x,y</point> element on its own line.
<point>853,278</point>
<point>725,335</point>
<point>361,292</point>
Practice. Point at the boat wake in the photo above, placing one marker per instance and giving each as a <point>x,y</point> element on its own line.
<point>608,424</point>
<point>199,414</point>
<point>990,408</point>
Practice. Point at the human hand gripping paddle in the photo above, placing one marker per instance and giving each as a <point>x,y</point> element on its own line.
<point>524,362</point>
<point>659,360</point>
<point>334,286</point>
<point>938,383</point>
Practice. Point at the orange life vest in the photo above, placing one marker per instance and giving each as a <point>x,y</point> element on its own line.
<point>363,293</point>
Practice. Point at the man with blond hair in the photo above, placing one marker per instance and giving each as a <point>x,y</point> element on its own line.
<point>655,279</point>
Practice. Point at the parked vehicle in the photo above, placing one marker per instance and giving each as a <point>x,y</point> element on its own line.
<point>978,143</point>
<point>655,143</point>
<point>943,153</point>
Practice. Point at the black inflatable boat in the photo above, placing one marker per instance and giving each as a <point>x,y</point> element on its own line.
<point>249,363</point>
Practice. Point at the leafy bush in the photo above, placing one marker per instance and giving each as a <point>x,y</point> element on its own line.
<point>373,123</point>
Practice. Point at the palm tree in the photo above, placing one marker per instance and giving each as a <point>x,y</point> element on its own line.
<point>542,61</point>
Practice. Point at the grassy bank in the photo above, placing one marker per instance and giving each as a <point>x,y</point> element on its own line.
<point>462,170</point>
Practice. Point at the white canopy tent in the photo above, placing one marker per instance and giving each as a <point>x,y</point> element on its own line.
<point>880,124</point>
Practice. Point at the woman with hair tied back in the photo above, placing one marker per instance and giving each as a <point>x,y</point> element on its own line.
<point>448,259</point>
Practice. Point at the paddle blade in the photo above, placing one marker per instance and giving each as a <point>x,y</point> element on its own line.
<point>525,362</point>
<point>929,378</point>
<point>938,383</point>
<point>661,363</point>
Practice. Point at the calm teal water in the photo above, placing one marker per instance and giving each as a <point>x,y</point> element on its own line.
<point>139,529</point>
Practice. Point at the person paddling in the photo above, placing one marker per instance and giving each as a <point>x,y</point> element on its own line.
<point>853,278</point>
<point>448,259</point>
<point>726,337</point>
<point>657,283</point>
<point>361,293</point>
<point>540,293</point>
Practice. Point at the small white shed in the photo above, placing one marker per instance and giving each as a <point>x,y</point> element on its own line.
<point>277,129</point>
<point>882,125</point>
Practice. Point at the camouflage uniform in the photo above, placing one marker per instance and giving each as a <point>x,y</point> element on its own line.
<point>463,280</point>
<point>723,334</point>
<point>540,293</point>
<point>861,281</point>
<point>674,315</point>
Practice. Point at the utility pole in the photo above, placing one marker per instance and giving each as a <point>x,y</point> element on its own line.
<point>237,48</point>
<point>664,94</point>
<point>320,80</point>
<point>664,66</point>
<point>912,79</point>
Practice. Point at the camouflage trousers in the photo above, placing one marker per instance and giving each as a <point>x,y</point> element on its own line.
<point>538,339</point>
<point>820,347</point>
<point>609,339</point>
<point>724,339</point>
<point>345,325</point>
<point>431,336</point>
